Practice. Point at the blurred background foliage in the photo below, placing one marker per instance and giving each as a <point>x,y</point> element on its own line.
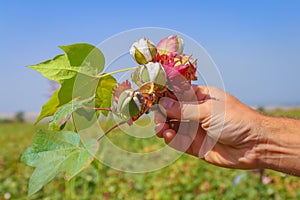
<point>187,178</point>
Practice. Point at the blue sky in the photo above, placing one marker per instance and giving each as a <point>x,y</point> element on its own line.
<point>255,44</point>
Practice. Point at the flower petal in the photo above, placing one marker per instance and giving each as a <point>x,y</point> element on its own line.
<point>171,44</point>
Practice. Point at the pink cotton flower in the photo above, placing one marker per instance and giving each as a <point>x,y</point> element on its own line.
<point>180,70</point>
<point>170,45</point>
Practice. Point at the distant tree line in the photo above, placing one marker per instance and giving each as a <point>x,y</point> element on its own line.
<point>18,117</point>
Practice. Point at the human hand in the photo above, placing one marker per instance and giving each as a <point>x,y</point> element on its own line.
<point>211,124</point>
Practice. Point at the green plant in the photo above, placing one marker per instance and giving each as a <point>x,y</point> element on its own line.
<point>87,92</point>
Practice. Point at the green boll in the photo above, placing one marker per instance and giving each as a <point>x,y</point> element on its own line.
<point>150,72</point>
<point>129,106</point>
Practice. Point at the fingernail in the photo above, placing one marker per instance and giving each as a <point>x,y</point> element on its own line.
<point>158,127</point>
<point>167,103</point>
<point>168,134</point>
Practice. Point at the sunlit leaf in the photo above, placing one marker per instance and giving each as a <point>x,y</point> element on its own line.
<point>79,58</point>
<point>104,92</point>
<point>58,69</point>
<point>50,107</point>
<point>86,55</point>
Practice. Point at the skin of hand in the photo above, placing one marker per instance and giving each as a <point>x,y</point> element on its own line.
<point>215,126</point>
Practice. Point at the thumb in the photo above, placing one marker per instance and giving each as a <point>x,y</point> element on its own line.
<point>195,111</point>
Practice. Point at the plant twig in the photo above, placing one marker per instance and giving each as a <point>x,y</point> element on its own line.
<point>92,108</point>
<point>110,129</point>
<point>117,71</point>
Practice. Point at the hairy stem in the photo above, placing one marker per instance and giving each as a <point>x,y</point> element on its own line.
<point>117,71</point>
<point>110,129</point>
<point>92,108</point>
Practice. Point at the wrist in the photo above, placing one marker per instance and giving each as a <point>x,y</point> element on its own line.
<point>266,144</point>
<point>278,145</point>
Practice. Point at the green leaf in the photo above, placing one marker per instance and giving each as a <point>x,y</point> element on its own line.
<point>80,86</point>
<point>63,114</point>
<point>57,69</point>
<point>77,72</point>
<point>86,55</point>
<point>79,58</point>
<point>56,152</point>
<point>50,107</point>
<point>104,92</point>
<point>83,118</point>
